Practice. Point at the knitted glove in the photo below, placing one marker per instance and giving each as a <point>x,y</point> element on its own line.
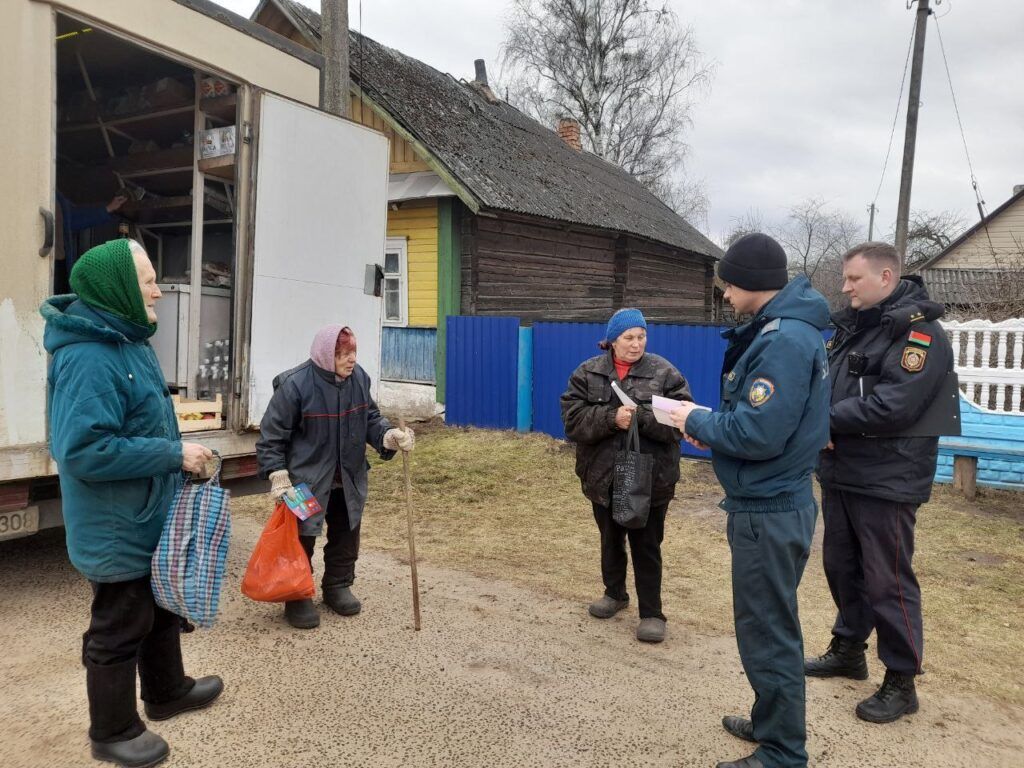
<point>280,484</point>
<point>397,440</point>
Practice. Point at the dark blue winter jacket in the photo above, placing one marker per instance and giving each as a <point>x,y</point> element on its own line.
<point>773,419</point>
<point>114,437</point>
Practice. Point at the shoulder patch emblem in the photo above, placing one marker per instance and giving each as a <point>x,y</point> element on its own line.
<point>772,326</point>
<point>761,392</point>
<point>913,359</point>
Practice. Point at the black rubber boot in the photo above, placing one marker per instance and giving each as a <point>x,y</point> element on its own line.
<point>162,675</point>
<point>203,693</point>
<point>115,730</point>
<point>144,750</point>
<point>897,697</point>
<point>844,658</point>
<point>341,600</point>
<point>302,614</point>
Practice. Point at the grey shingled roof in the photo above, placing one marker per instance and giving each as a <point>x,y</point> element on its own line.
<point>966,287</point>
<point>506,160</point>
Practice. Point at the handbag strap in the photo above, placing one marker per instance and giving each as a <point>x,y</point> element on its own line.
<point>633,439</point>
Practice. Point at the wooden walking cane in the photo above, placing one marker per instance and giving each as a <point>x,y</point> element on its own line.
<point>412,538</point>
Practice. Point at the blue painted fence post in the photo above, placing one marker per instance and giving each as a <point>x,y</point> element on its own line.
<point>524,405</point>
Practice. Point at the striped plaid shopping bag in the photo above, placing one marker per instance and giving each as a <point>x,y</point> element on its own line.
<point>188,565</point>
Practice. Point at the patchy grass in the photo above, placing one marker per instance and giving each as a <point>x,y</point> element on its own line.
<point>509,506</point>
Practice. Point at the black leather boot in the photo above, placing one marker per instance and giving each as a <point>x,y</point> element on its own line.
<point>740,727</point>
<point>897,697</point>
<point>844,658</point>
<point>746,762</point>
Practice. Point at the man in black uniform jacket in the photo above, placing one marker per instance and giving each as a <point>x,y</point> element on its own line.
<point>873,479</point>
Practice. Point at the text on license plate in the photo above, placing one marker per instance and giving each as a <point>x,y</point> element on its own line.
<point>19,522</point>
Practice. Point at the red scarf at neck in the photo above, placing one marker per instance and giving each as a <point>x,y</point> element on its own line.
<point>621,368</point>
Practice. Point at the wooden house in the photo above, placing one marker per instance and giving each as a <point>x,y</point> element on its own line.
<point>981,273</point>
<point>492,213</point>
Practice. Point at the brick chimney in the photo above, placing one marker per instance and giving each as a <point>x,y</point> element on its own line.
<point>569,132</point>
<point>479,83</point>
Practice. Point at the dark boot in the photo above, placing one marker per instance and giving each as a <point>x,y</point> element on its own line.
<point>113,715</point>
<point>746,762</point>
<point>740,727</point>
<point>605,607</point>
<point>844,658</point>
<point>302,614</point>
<point>144,750</point>
<point>341,600</point>
<point>897,697</point>
<point>203,693</point>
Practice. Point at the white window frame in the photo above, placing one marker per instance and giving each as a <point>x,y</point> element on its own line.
<point>399,245</point>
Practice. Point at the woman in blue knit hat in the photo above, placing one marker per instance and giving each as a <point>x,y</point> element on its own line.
<point>597,421</point>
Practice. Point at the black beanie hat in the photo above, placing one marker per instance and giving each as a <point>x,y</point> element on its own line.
<point>755,262</point>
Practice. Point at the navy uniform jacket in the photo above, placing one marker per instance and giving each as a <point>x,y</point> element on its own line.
<point>908,350</point>
<point>773,419</point>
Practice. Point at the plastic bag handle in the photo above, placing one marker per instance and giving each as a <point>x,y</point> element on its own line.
<point>633,439</point>
<point>215,477</point>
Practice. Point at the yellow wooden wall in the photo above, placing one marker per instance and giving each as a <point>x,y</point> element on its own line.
<point>416,220</point>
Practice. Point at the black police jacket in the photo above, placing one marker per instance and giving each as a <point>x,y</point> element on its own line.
<point>901,342</point>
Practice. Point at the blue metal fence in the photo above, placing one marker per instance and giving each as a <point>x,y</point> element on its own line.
<point>696,350</point>
<point>482,371</point>
<point>407,354</point>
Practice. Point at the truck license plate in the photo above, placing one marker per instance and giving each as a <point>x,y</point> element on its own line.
<point>20,522</point>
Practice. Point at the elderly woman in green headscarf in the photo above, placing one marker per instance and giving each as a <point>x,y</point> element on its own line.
<point>119,455</point>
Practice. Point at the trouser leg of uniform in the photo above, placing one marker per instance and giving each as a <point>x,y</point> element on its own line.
<point>886,532</point>
<point>769,552</point>
<point>841,553</point>
<point>613,553</point>
<point>645,547</point>
<point>342,548</point>
<point>122,616</point>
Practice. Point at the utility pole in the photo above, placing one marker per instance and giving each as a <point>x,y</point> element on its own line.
<point>871,222</point>
<point>334,77</point>
<point>910,141</point>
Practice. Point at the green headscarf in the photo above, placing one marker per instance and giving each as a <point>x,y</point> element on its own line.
<point>104,277</point>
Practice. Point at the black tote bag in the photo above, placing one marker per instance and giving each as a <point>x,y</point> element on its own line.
<point>631,483</point>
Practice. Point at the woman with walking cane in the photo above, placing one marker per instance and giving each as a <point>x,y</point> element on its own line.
<point>597,419</point>
<point>315,431</point>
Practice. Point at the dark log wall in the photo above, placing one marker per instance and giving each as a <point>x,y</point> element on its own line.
<point>538,270</point>
<point>669,285</point>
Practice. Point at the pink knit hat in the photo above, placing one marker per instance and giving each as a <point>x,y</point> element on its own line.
<point>322,350</point>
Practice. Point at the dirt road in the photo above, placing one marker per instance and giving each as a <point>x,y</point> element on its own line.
<point>499,676</point>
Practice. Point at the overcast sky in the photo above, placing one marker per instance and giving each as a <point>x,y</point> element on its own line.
<point>804,96</point>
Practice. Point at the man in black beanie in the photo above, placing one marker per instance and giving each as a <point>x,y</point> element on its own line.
<point>764,440</point>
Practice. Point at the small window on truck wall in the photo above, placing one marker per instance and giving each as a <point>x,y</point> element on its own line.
<point>395,281</point>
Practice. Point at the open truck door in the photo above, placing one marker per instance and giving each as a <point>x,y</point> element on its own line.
<point>28,229</point>
<point>320,217</point>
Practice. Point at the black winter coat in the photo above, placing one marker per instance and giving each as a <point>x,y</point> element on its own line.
<point>318,428</point>
<point>865,460</point>
<point>588,413</point>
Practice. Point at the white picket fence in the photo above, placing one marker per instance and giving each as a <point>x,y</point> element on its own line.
<point>990,362</point>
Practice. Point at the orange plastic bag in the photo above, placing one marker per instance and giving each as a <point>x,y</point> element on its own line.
<point>278,570</point>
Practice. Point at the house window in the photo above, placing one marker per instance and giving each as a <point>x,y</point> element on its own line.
<point>396,282</point>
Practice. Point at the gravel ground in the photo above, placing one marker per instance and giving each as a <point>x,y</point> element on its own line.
<point>499,676</point>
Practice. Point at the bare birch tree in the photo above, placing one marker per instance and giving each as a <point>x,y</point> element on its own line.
<point>626,70</point>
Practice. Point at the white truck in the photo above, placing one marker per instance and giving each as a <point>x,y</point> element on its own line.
<point>262,214</point>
